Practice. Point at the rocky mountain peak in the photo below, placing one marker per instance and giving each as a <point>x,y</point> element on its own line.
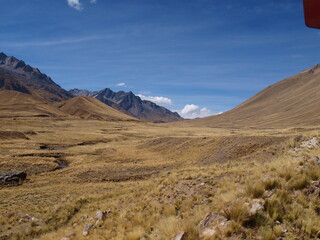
<point>32,78</point>
<point>2,56</point>
<point>131,104</point>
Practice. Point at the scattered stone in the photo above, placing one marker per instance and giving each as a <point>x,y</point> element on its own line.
<point>313,143</point>
<point>316,159</point>
<point>313,189</point>
<point>295,150</point>
<point>181,236</point>
<point>298,138</point>
<point>69,236</point>
<point>269,193</point>
<point>86,229</point>
<point>28,218</point>
<point>16,177</point>
<point>257,205</point>
<point>101,216</point>
<point>211,224</point>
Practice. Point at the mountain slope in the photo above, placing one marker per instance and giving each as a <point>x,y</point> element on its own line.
<point>17,75</point>
<point>130,104</point>
<point>91,108</point>
<point>18,104</point>
<point>294,101</point>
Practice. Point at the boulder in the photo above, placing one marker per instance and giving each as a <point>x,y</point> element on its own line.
<point>256,206</point>
<point>12,177</point>
<point>101,216</point>
<point>211,224</point>
<point>181,236</point>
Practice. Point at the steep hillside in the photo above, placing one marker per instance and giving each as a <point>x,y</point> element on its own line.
<point>17,75</point>
<point>18,104</point>
<point>294,101</point>
<point>91,108</point>
<point>132,105</point>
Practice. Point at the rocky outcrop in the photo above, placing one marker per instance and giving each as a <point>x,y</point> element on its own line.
<point>16,177</point>
<point>211,224</point>
<point>132,105</point>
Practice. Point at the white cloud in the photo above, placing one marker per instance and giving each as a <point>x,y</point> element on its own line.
<point>121,84</point>
<point>157,100</point>
<point>191,111</point>
<point>58,42</point>
<point>76,4</point>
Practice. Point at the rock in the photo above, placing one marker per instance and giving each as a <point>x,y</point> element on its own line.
<point>256,206</point>
<point>313,143</point>
<point>86,229</point>
<point>211,224</point>
<point>316,159</point>
<point>298,138</point>
<point>313,189</point>
<point>295,150</point>
<point>13,177</point>
<point>33,219</point>
<point>69,236</point>
<point>100,216</point>
<point>181,236</point>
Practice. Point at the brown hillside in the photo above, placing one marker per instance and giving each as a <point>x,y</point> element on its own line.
<point>17,104</point>
<point>292,102</point>
<point>91,108</point>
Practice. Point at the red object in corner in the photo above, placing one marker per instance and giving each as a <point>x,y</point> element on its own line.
<point>312,13</point>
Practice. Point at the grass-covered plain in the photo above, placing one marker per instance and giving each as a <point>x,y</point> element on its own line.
<point>155,180</point>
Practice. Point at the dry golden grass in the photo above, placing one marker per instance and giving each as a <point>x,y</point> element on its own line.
<point>157,180</point>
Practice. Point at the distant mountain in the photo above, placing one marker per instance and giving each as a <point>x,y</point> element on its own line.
<point>18,76</point>
<point>292,102</point>
<point>131,104</point>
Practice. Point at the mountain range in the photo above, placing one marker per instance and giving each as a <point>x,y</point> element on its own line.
<point>16,75</point>
<point>131,104</point>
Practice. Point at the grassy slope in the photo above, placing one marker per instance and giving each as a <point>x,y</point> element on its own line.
<point>291,102</point>
<point>14,103</point>
<point>87,107</point>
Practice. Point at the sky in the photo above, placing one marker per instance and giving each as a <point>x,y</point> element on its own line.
<point>197,57</point>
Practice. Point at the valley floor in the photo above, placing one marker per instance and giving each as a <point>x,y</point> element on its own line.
<point>153,181</point>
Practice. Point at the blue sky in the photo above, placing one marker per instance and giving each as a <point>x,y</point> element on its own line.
<point>199,56</point>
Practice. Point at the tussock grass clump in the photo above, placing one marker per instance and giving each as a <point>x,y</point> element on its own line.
<point>255,190</point>
<point>237,211</point>
<point>299,182</point>
<point>136,234</point>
